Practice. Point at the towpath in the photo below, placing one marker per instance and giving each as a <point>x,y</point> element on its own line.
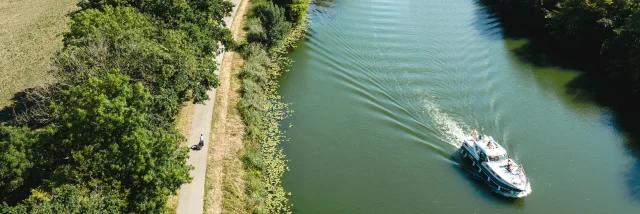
<point>191,195</point>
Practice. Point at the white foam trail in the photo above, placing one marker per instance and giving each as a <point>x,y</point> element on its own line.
<point>450,130</point>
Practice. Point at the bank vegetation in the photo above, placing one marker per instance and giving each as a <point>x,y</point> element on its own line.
<point>272,28</point>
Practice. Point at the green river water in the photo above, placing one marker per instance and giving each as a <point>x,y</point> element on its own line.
<point>383,91</point>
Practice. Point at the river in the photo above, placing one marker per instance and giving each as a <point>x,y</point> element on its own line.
<point>383,91</point>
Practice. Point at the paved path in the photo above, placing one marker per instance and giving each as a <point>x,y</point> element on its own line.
<point>191,195</point>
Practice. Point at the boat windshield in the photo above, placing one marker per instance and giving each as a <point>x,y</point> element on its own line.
<point>497,158</point>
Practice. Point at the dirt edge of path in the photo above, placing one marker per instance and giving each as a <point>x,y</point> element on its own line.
<point>183,123</point>
<point>227,126</point>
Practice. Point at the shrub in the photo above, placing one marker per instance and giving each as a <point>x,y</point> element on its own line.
<point>255,31</point>
<point>296,10</point>
<point>273,21</point>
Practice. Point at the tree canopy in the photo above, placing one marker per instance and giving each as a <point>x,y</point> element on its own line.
<point>69,199</point>
<point>602,31</point>
<point>103,128</point>
<point>104,138</point>
<point>125,39</point>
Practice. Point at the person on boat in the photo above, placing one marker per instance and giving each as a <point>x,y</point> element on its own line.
<point>511,165</point>
<point>491,145</point>
<point>474,134</point>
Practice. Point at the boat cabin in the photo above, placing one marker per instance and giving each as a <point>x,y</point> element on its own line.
<point>490,151</point>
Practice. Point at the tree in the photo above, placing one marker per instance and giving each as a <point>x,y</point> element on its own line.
<point>273,22</point>
<point>623,53</point>
<point>104,139</point>
<point>587,24</point>
<point>70,199</point>
<point>24,161</point>
<point>123,38</point>
<point>14,144</point>
<point>201,19</point>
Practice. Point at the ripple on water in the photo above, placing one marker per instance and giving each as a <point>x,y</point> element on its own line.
<point>382,88</point>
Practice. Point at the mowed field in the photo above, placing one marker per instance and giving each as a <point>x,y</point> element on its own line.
<point>30,35</point>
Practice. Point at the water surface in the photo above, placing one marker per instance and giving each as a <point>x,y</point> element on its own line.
<point>384,90</point>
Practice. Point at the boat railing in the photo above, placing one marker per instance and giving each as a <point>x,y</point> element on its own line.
<point>522,175</point>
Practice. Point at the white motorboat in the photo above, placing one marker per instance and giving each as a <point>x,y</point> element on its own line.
<point>491,162</point>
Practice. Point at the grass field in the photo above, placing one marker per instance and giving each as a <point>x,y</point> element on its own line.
<point>30,35</point>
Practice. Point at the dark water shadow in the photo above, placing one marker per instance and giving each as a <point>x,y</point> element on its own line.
<point>542,50</point>
<point>632,175</point>
<point>487,24</point>
<point>591,86</point>
<point>625,115</point>
<point>483,189</point>
<point>318,9</point>
<point>324,3</point>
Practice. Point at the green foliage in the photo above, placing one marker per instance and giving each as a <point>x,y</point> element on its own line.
<point>623,52</point>
<point>69,199</point>
<point>24,164</point>
<point>112,23</point>
<point>124,39</point>
<point>14,158</point>
<point>104,138</point>
<point>606,29</point>
<point>274,24</point>
<point>255,31</point>
<point>200,19</point>
<point>296,10</point>
<point>588,24</point>
<point>99,136</point>
<point>254,102</point>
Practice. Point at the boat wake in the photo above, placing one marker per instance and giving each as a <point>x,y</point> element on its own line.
<point>449,130</point>
<point>526,192</point>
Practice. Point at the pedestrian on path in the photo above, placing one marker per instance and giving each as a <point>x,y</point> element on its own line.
<point>201,140</point>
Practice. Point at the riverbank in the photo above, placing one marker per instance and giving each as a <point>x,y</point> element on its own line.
<point>263,111</point>
<point>247,163</point>
<point>226,130</point>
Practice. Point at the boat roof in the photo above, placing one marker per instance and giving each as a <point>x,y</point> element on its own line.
<point>495,151</point>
